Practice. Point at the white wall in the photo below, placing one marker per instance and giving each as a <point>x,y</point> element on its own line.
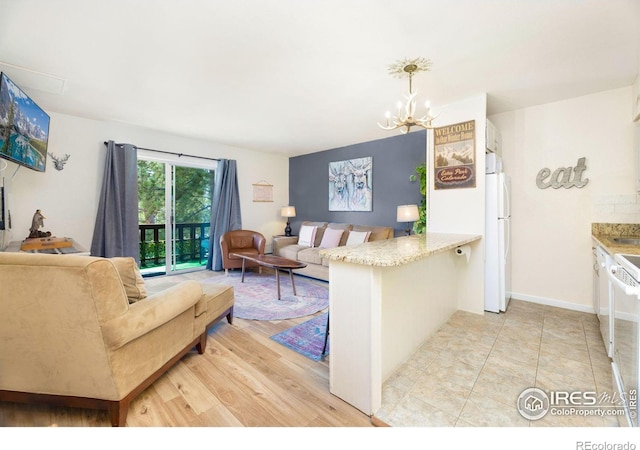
<point>69,198</point>
<point>551,228</point>
<point>462,210</point>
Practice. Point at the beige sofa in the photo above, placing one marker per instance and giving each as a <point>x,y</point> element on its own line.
<point>81,331</point>
<point>318,267</point>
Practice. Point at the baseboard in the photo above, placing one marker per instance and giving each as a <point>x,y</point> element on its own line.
<point>552,302</point>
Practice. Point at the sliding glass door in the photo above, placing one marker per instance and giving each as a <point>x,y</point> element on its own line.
<point>174,214</point>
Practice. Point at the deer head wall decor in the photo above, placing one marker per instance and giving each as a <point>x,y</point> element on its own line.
<point>59,163</point>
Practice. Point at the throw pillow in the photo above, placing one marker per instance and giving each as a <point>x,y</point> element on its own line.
<point>331,238</point>
<point>131,277</point>
<point>358,237</point>
<point>307,235</point>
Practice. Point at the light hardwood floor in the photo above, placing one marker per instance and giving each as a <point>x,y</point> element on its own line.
<point>244,379</point>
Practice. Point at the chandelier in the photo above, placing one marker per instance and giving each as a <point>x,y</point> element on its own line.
<point>406,118</point>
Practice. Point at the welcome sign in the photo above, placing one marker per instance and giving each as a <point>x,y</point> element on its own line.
<point>455,156</point>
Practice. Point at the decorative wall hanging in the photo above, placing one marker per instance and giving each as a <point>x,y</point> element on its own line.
<point>455,156</point>
<point>566,177</point>
<point>262,191</point>
<point>350,185</point>
<point>59,163</point>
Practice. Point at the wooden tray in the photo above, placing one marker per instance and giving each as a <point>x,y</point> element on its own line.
<point>45,243</point>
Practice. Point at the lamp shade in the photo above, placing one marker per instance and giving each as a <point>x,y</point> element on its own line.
<point>408,213</point>
<point>288,211</point>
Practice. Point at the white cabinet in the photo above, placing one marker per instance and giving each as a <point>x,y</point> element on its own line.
<point>603,310</point>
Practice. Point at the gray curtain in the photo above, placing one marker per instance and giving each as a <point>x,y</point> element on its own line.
<point>116,229</point>
<point>225,210</point>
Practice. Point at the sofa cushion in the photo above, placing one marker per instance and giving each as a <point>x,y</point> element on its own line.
<point>377,233</point>
<point>341,226</point>
<point>216,298</point>
<point>331,238</point>
<point>307,236</point>
<point>357,237</point>
<point>291,251</point>
<point>319,231</point>
<point>310,256</point>
<point>131,277</point>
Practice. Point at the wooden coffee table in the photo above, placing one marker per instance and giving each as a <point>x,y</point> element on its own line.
<point>276,263</point>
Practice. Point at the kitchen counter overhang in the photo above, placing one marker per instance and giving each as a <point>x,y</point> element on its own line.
<point>385,299</point>
<point>398,251</point>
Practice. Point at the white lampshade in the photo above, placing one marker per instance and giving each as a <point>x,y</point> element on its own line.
<point>408,213</point>
<point>288,211</point>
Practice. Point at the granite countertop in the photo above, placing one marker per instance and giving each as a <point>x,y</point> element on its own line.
<point>398,251</point>
<point>604,233</point>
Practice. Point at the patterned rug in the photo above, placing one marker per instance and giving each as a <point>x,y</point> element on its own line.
<point>257,297</point>
<point>306,338</point>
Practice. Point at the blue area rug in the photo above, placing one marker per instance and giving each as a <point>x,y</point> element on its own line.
<point>306,338</point>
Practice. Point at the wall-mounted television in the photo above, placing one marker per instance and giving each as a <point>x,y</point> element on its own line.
<point>24,127</point>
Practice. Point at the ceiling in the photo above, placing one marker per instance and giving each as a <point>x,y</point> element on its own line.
<point>297,76</point>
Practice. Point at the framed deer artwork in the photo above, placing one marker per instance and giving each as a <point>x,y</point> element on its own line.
<point>350,185</point>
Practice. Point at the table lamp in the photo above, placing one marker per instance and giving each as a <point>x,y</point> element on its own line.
<point>288,211</point>
<point>408,214</point>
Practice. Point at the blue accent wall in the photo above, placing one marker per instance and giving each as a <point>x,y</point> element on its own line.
<point>394,160</point>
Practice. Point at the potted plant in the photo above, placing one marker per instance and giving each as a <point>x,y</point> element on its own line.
<point>420,225</point>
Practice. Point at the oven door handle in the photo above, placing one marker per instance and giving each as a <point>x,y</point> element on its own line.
<point>628,290</point>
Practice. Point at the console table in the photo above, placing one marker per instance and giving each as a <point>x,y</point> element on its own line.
<point>75,249</point>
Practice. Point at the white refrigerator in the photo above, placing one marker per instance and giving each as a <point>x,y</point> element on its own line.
<point>497,288</point>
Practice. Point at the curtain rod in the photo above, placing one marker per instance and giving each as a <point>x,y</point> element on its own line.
<point>168,153</point>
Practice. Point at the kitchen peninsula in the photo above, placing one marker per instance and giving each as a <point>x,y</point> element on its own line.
<point>386,298</point>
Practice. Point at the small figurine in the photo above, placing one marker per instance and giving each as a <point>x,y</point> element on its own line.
<point>36,223</point>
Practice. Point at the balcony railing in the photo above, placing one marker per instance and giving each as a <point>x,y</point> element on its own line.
<point>192,243</point>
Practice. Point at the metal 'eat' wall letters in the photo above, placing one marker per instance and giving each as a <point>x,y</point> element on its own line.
<point>561,177</point>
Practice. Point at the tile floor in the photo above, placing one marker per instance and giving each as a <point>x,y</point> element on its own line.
<point>471,372</point>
